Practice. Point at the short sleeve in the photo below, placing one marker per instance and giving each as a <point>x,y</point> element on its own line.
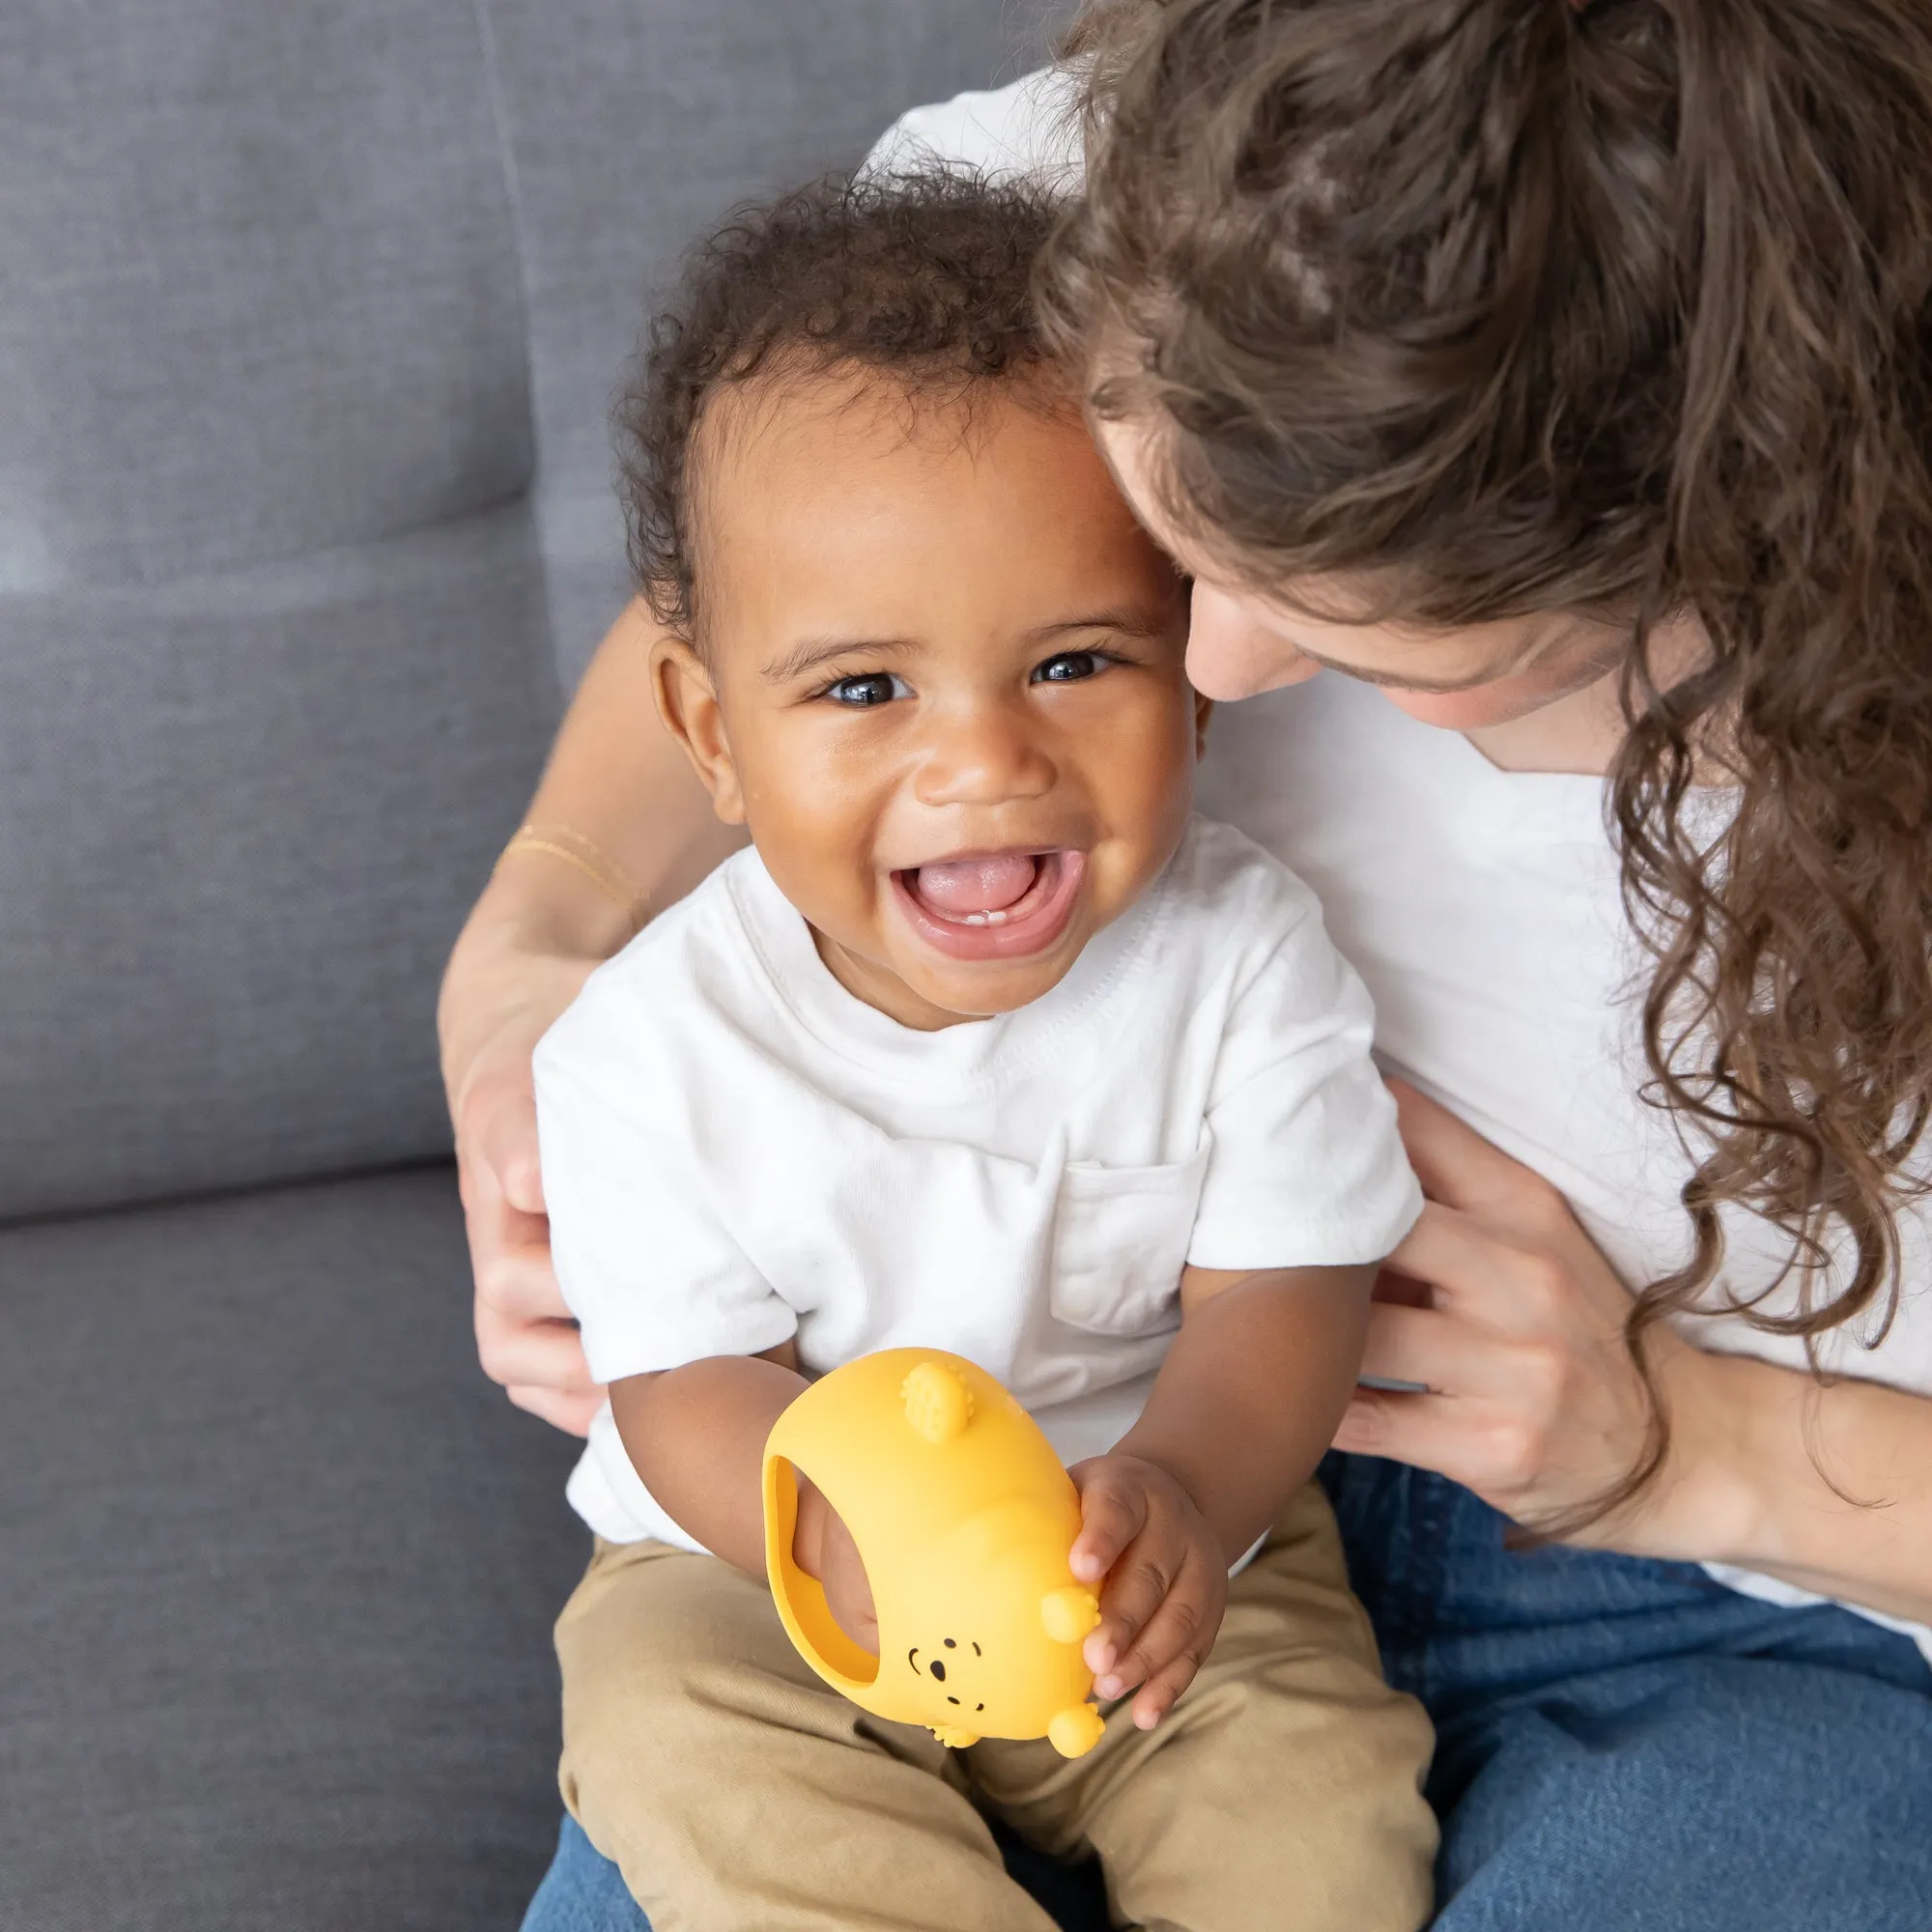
<point>1030,128</point>
<point>643,1260</point>
<point>1305,1166</point>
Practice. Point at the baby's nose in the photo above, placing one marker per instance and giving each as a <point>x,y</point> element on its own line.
<point>985,757</point>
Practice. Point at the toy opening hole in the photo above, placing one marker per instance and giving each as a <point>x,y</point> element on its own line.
<point>835,1605</point>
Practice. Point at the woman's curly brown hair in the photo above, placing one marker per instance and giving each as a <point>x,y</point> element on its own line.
<point>924,275</point>
<point>1513,306</point>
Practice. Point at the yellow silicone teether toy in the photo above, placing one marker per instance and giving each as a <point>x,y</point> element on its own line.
<point>964,1519</point>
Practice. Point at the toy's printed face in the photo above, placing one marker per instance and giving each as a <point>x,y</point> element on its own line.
<point>953,1681</point>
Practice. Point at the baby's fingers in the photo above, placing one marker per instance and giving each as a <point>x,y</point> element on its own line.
<point>1174,1643</point>
<point>1158,1694</point>
<point>1112,1514</point>
<point>1169,1628</point>
<point>1135,1593</point>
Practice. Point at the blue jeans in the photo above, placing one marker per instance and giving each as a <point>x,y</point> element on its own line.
<point>1621,1744</point>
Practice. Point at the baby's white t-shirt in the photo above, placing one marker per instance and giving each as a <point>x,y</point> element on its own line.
<point>736,1151</point>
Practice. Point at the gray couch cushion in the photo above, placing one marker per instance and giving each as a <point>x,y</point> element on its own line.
<point>262,283</point>
<point>242,816</point>
<point>275,665</point>
<point>279,1569</point>
<point>276,651</point>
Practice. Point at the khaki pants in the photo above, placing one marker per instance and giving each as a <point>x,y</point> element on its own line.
<point>738,1792</point>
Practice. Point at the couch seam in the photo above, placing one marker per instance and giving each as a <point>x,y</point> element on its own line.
<point>513,195</point>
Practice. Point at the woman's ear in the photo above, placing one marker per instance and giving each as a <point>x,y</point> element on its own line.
<point>688,703</point>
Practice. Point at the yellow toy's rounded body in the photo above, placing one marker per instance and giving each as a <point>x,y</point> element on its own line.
<point>964,1520</point>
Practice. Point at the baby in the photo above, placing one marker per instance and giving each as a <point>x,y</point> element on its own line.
<point>988,1045</point>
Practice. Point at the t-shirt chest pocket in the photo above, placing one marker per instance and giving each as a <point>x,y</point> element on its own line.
<point>1119,1241</point>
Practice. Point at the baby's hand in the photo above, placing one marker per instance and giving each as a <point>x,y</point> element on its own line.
<point>1166,1582</point>
<point>822,1546</point>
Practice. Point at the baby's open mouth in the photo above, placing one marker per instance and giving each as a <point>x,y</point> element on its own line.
<point>987,905</point>
<point>985,891</point>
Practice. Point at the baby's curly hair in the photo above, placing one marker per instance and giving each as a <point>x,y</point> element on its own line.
<point>923,276</point>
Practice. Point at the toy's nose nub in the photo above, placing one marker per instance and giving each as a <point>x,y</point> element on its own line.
<point>1070,1613</point>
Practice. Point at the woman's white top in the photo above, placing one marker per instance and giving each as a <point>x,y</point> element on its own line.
<point>1482,908</point>
<point>737,1153</point>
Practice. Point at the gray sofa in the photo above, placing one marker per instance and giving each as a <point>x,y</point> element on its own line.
<point>310,311</point>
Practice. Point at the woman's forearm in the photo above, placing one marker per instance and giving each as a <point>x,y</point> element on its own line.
<point>618,779</point>
<point>617,784</point>
<point>1829,1487</point>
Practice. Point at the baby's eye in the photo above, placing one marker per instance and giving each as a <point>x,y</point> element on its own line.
<point>1069,666</point>
<point>872,687</point>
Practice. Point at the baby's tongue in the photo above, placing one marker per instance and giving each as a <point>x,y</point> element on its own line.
<point>961,886</point>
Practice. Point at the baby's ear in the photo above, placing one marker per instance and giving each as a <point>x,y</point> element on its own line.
<point>1204,709</point>
<point>687,703</point>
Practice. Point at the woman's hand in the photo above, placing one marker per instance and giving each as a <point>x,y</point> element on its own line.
<point>1505,1309</point>
<point>499,996</point>
<point>525,1337</point>
<point>619,791</point>
<point>1166,1582</point>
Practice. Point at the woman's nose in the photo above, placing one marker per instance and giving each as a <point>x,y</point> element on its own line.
<point>1233,652</point>
<point>987,755</point>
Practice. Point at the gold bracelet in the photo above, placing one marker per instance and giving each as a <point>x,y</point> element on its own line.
<point>587,857</point>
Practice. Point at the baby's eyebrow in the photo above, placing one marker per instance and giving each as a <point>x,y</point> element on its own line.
<point>1129,623</point>
<point>808,653</point>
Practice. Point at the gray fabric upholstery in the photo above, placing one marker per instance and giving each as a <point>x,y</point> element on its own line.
<point>309,320</point>
<point>279,1568</point>
<point>243,814</point>
<point>262,291</point>
<point>274,656</point>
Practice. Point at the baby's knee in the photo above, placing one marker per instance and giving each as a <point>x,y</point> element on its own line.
<point>667,1647</point>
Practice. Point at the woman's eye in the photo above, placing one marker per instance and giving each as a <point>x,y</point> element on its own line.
<point>877,687</point>
<point>1069,666</point>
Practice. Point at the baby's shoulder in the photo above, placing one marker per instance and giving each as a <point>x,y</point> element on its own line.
<point>691,968</point>
<point>1223,891</point>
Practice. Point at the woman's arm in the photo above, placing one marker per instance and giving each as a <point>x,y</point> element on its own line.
<point>1856,1521</point>
<point>1533,1403</point>
<point>617,789</point>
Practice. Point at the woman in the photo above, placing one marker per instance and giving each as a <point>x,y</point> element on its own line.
<point>1557,378</point>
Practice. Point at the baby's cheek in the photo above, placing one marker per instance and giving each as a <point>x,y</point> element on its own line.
<point>1146,782</point>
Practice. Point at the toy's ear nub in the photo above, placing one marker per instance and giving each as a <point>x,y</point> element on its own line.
<point>1075,1730</point>
<point>938,1404</point>
<point>1069,1613</point>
